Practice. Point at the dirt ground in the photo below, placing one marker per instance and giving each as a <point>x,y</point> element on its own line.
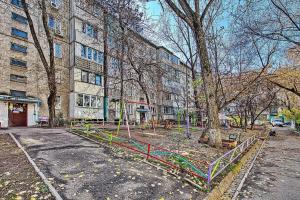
<point>18,179</point>
<point>173,140</point>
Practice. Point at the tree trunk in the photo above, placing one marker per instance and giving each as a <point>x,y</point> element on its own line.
<point>49,68</point>
<point>196,98</point>
<point>51,106</point>
<point>105,63</point>
<point>246,120</point>
<point>209,89</point>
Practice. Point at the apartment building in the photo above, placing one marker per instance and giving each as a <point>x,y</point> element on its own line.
<point>23,83</point>
<point>77,29</point>
<point>86,61</point>
<point>175,85</point>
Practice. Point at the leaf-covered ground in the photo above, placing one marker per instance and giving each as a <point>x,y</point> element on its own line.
<point>18,179</point>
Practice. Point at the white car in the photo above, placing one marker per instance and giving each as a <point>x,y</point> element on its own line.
<point>277,122</point>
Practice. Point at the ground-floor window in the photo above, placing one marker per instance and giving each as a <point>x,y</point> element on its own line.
<point>130,109</point>
<point>89,101</point>
<point>168,110</point>
<point>58,102</point>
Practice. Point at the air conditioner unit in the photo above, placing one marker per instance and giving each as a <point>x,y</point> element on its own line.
<point>59,32</point>
<point>54,4</point>
<point>58,29</point>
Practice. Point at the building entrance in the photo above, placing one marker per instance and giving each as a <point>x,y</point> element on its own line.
<point>17,114</point>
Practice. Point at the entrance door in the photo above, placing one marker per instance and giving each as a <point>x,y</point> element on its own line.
<point>17,114</point>
<point>142,117</point>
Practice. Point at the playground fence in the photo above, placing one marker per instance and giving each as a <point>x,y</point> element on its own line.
<point>199,169</point>
<point>219,165</point>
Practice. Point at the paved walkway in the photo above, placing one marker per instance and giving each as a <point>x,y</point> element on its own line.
<point>276,173</point>
<point>80,169</point>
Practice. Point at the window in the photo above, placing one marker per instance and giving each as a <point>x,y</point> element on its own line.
<point>95,57</point>
<point>98,79</point>
<point>55,3</point>
<point>54,25</point>
<point>57,50</point>
<point>99,102</point>
<point>16,62</point>
<point>84,76</point>
<point>86,102</point>
<point>94,101</point>
<point>174,59</point>
<point>57,102</point>
<point>83,51</point>
<point>51,22</point>
<point>58,77</point>
<point>92,78</point>
<point>89,30</point>
<point>17,3</point>
<point>19,18</point>
<point>19,33</point>
<point>18,48</point>
<point>130,109</point>
<point>100,58</point>
<point>16,93</point>
<point>177,75</point>
<point>17,78</point>
<point>89,53</point>
<point>79,100</point>
<point>168,110</point>
<point>114,62</point>
<point>169,97</point>
<point>58,27</point>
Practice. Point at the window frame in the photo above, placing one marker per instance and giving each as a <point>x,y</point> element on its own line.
<point>100,83</point>
<point>82,99</point>
<point>58,104</point>
<point>19,18</point>
<point>87,76</point>
<point>19,33</point>
<point>18,48</point>
<point>55,45</point>
<point>92,78</point>
<point>53,22</point>
<point>17,3</point>
<point>16,62</point>
<point>18,78</point>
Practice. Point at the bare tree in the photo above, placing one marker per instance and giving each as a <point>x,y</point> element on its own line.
<point>194,14</point>
<point>49,66</point>
<point>179,34</point>
<point>277,23</point>
<point>142,60</point>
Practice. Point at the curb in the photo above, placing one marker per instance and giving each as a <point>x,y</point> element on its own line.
<point>247,173</point>
<point>222,187</point>
<point>52,190</point>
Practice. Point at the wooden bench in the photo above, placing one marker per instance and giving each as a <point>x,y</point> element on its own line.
<point>43,120</point>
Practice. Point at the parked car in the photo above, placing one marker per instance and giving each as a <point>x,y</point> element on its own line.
<point>277,122</point>
<point>287,123</point>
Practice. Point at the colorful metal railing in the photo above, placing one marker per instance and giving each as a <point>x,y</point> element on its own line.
<point>199,169</point>
<point>219,165</point>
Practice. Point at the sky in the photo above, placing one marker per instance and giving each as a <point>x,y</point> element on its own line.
<point>153,10</point>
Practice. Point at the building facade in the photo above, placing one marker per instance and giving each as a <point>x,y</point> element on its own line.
<point>23,83</point>
<point>154,79</point>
